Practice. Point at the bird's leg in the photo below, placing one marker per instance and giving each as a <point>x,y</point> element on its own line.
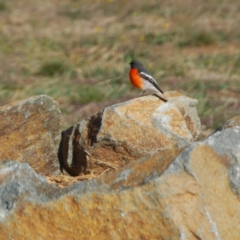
<point>143,92</point>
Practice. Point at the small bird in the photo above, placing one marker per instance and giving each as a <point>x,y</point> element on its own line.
<point>141,78</point>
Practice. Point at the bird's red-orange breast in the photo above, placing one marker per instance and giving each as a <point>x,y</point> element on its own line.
<point>136,80</point>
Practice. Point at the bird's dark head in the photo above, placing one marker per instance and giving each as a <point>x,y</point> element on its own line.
<point>135,64</point>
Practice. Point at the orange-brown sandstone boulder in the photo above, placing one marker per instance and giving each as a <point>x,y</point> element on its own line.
<point>192,196</point>
<point>129,131</point>
<point>30,133</point>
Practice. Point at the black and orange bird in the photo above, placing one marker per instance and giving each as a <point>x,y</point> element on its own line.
<point>141,78</point>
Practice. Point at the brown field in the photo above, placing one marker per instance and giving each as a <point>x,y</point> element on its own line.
<point>78,52</point>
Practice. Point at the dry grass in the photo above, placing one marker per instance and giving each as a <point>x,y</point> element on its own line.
<point>78,52</point>
<point>62,181</point>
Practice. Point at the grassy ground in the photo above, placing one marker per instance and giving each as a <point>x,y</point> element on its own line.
<point>78,52</point>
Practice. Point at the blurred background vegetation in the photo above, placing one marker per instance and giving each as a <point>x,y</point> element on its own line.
<point>78,52</point>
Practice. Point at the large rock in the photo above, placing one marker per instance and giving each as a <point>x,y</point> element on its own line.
<point>129,131</point>
<point>196,196</point>
<point>30,133</point>
<point>233,122</point>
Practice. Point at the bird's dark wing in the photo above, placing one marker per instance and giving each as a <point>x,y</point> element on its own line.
<point>151,80</point>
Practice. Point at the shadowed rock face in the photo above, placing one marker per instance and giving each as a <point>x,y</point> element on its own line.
<point>129,131</point>
<point>30,133</point>
<point>194,195</point>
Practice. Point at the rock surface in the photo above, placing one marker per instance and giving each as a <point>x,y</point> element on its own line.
<point>192,196</point>
<point>129,131</point>
<point>30,133</point>
<point>233,122</point>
